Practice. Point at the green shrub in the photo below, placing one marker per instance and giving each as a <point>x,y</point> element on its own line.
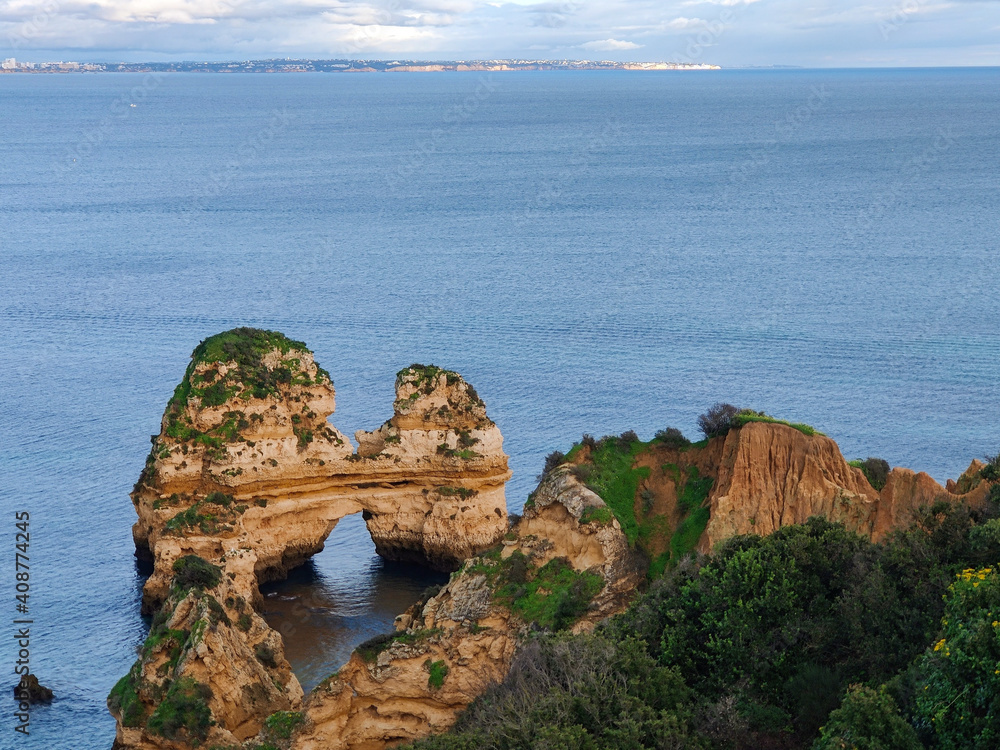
<point>184,707</point>
<point>959,704</point>
<point>552,461</point>
<point>244,622</point>
<point>672,437</point>
<point>281,724</point>
<point>266,656</point>
<point>554,598</point>
<point>437,671</point>
<point>193,571</point>
<point>718,420</point>
<point>370,649</point>
<point>876,471</point>
<point>754,646</point>
<point>124,698</point>
<point>576,692</point>
<point>991,471</point>
<point>868,719</point>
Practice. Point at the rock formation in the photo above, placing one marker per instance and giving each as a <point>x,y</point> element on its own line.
<point>247,479</point>
<point>29,689</point>
<point>449,649</point>
<point>773,475</point>
<point>247,476</point>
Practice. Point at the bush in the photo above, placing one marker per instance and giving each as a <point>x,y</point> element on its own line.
<point>867,720</point>
<point>185,707</point>
<point>552,461</point>
<point>626,439</point>
<point>265,655</point>
<point>437,671</point>
<point>192,570</point>
<point>991,472</point>
<point>124,698</point>
<point>960,701</point>
<point>672,437</point>
<point>717,421</point>
<point>576,692</point>
<point>370,649</point>
<point>281,724</point>
<point>876,471</point>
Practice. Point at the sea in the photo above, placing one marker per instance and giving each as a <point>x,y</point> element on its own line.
<point>595,251</point>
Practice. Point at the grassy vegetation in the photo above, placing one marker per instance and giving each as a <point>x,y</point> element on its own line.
<point>213,514</point>
<point>183,708</point>
<point>437,671</point>
<point>124,698</point>
<point>597,514</point>
<point>266,656</point>
<point>553,596</point>
<point>607,466</point>
<point>247,376</point>
<point>193,571</point>
<point>370,649</point>
<point>616,481</point>
<point>424,377</point>
<point>746,416</point>
<point>281,724</point>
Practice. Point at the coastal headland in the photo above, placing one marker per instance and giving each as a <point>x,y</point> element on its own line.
<point>343,66</point>
<point>247,478</point>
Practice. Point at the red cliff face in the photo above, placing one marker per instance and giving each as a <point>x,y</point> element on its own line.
<point>772,475</point>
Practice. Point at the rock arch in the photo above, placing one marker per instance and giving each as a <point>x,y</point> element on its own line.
<point>246,470</point>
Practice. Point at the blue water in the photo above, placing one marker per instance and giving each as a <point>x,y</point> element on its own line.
<point>595,252</point>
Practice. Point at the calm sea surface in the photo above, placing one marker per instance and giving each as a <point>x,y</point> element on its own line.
<point>594,251</point>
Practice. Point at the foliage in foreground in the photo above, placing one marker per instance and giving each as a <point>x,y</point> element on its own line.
<point>811,638</point>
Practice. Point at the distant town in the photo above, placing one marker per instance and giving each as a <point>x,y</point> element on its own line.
<point>12,65</point>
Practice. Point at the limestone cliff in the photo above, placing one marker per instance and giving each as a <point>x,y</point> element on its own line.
<point>566,564</point>
<point>247,475</point>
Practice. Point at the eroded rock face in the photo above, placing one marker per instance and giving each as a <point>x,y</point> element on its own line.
<point>451,648</point>
<point>772,475</point>
<point>248,475</point>
<point>209,651</point>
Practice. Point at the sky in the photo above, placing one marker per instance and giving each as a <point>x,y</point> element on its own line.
<point>731,33</point>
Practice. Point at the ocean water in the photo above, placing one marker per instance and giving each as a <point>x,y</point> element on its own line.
<point>596,252</point>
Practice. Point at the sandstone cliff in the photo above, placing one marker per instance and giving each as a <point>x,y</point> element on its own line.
<point>773,475</point>
<point>248,475</point>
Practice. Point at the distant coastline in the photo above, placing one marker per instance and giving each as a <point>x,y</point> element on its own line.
<point>12,65</point>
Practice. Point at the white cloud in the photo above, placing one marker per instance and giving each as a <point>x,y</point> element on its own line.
<point>609,45</point>
<point>742,32</point>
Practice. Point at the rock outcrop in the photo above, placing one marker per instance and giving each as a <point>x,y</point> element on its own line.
<point>449,649</point>
<point>247,479</point>
<point>29,689</point>
<point>772,475</point>
<point>247,475</point>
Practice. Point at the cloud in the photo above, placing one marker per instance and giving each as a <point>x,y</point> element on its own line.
<point>609,45</point>
<point>741,32</point>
